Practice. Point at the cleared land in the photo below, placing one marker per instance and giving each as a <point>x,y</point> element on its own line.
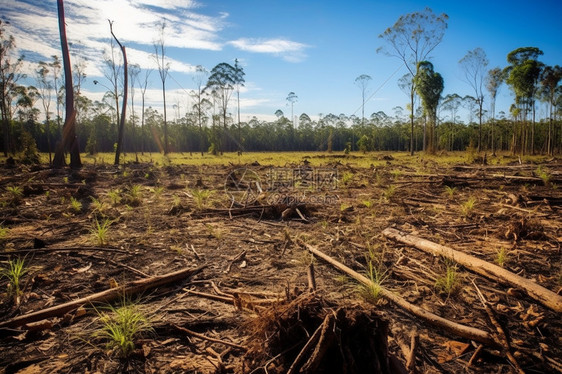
<point>243,302</point>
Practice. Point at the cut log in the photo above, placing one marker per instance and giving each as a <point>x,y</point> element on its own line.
<point>484,268</point>
<point>430,318</point>
<point>102,297</point>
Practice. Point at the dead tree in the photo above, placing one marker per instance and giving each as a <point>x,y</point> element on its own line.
<point>124,106</point>
<point>69,139</point>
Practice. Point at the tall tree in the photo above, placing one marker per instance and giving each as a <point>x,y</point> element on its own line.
<point>9,76</point>
<point>292,98</point>
<point>239,82</point>
<point>452,102</point>
<point>550,79</point>
<point>221,84</point>
<point>134,71</point>
<point>362,82</point>
<point>429,85</point>
<point>46,93</point>
<point>493,82</point>
<point>69,139</point>
<point>56,68</point>
<point>522,75</point>
<point>201,103</point>
<point>163,68</point>
<point>411,39</point>
<point>474,65</point>
<point>125,90</point>
<point>143,86</point>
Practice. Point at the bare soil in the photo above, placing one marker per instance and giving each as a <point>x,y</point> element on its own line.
<point>253,296</point>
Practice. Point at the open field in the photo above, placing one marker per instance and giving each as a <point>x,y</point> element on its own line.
<point>247,231</point>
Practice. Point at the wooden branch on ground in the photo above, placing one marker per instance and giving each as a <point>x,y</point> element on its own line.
<point>203,337</point>
<point>430,318</point>
<point>102,297</point>
<point>484,268</point>
<point>501,333</point>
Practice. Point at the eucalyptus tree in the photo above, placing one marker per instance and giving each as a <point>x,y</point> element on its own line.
<point>239,82</point>
<point>134,71</point>
<point>550,79</point>
<point>163,68</point>
<point>429,85</point>
<point>10,74</point>
<point>112,72</point>
<point>362,82</point>
<point>452,103</point>
<point>55,66</point>
<point>221,83</point>
<point>411,39</point>
<point>121,131</point>
<point>292,98</point>
<point>201,104</point>
<point>494,80</point>
<point>143,84</point>
<point>46,94</point>
<point>474,65</point>
<point>522,75</point>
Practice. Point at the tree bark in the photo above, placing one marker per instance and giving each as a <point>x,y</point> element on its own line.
<point>69,139</point>
<point>102,297</point>
<point>124,106</point>
<point>484,268</point>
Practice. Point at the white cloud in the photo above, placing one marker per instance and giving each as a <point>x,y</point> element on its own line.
<point>289,50</point>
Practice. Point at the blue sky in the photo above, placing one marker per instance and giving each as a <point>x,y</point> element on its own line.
<point>314,48</point>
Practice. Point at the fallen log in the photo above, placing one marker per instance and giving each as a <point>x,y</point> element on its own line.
<point>102,297</point>
<point>484,268</point>
<point>430,318</point>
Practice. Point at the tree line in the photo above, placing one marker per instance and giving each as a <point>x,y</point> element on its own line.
<point>210,126</point>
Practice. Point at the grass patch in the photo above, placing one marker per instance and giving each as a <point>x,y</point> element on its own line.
<point>201,197</point>
<point>501,257</point>
<point>448,282</point>
<point>121,326</point>
<point>100,231</point>
<point>468,206</point>
<point>14,272</point>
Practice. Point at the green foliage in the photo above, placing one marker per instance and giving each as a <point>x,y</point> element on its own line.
<point>501,257</point>
<point>363,144</point>
<point>544,175</point>
<point>450,191</point>
<point>14,272</point>
<point>448,282</point>
<point>347,177</point>
<point>75,205</point>
<point>4,231</point>
<point>99,231</point>
<point>114,196</point>
<point>201,197</point>
<point>389,192</point>
<point>133,196</point>
<point>15,195</point>
<point>468,206</point>
<point>30,153</point>
<point>121,326</point>
<point>367,203</point>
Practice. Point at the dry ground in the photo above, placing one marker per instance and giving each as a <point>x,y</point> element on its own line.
<point>256,263</point>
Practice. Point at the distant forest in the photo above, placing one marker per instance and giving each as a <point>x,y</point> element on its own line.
<point>32,116</point>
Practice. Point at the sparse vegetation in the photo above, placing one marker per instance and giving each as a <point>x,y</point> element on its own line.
<point>501,256</point>
<point>346,178</point>
<point>100,231</point>
<point>544,175</point>
<point>75,205</point>
<point>14,271</point>
<point>448,282</point>
<point>121,326</point>
<point>114,196</point>
<point>468,206</point>
<point>201,197</point>
<point>15,195</point>
<point>450,191</point>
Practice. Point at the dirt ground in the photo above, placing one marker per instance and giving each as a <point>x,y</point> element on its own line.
<point>250,308</point>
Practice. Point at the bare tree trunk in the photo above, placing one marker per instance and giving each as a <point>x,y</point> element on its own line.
<point>69,139</point>
<point>124,108</point>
